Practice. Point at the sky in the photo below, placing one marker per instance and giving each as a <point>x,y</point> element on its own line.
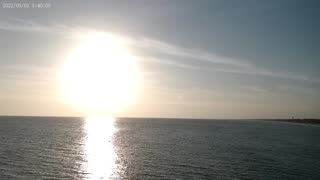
<point>199,59</point>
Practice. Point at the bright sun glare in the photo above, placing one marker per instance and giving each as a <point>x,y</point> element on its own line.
<point>100,76</point>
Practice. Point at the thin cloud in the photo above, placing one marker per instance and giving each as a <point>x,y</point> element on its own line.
<point>233,65</point>
<point>188,53</point>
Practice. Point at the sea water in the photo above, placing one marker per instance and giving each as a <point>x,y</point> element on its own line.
<point>145,148</point>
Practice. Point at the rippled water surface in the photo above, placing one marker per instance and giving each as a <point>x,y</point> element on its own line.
<point>108,148</point>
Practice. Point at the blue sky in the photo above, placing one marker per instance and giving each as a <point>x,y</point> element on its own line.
<point>207,59</point>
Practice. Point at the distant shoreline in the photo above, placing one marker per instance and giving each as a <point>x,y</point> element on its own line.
<point>300,121</point>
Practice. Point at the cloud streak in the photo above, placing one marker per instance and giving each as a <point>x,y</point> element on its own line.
<point>231,65</point>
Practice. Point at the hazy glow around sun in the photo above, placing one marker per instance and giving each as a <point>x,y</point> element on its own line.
<point>100,75</point>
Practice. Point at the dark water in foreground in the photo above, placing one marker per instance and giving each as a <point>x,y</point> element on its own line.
<point>75,148</point>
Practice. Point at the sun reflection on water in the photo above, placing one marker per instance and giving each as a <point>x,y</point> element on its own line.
<point>99,148</point>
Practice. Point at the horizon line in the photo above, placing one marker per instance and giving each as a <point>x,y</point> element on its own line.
<point>176,118</point>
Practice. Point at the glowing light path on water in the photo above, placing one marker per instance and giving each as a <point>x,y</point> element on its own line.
<point>99,148</point>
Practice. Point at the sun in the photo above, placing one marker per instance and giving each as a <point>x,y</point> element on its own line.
<point>100,75</point>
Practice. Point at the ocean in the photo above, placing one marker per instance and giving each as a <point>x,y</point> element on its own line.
<point>143,148</point>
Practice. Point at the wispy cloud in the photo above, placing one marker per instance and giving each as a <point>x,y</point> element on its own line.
<point>188,53</point>
<point>230,65</point>
<point>30,74</point>
<point>20,25</point>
